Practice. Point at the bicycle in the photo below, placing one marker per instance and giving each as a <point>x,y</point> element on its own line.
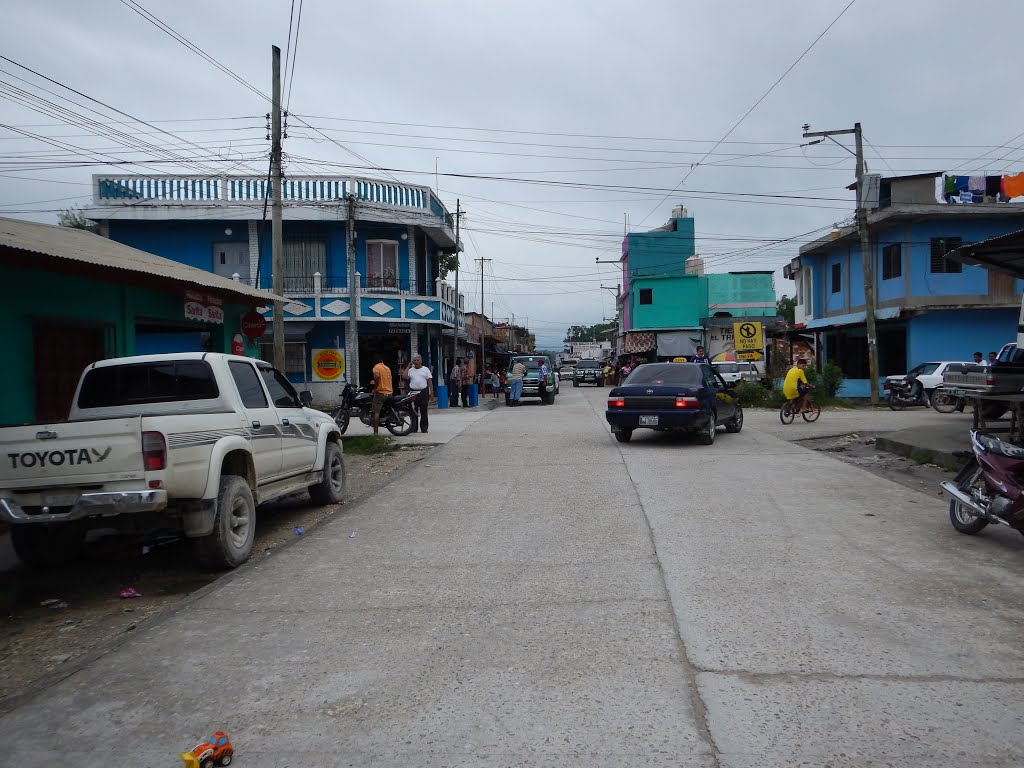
<point>810,413</point>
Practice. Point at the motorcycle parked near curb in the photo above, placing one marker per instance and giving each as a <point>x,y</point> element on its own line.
<point>907,393</point>
<point>396,415</point>
<point>990,487</point>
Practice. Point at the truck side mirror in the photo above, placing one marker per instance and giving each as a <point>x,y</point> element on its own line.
<point>306,397</point>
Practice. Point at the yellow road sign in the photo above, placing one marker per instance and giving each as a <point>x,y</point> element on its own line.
<point>747,336</point>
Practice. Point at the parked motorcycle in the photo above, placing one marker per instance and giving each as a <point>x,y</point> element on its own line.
<point>908,392</point>
<point>396,414</point>
<point>990,488</point>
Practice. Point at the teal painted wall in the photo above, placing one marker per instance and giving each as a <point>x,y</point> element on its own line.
<point>661,253</point>
<point>89,301</point>
<point>735,288</point>
<point>678,302</point>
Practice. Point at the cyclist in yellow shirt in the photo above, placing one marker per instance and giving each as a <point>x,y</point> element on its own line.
<point>796,385</point>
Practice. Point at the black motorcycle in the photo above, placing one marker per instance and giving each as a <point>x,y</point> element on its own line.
<point>908,392</point>
<point>396,414</point>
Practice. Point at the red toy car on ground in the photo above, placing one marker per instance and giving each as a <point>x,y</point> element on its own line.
<point>215,751</point>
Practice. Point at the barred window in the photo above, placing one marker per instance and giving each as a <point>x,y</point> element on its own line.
<point>940,265</point>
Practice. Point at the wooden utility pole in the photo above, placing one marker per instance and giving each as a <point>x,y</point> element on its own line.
<point>277,236</point>
<point>867,258</point>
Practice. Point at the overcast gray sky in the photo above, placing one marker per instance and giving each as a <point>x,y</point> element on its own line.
<point>591,111</point>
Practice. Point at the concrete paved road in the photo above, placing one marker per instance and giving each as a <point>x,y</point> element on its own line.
<point>533,593</point>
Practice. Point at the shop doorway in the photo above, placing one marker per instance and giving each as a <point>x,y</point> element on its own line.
<point>61,354</point>
<point>393,348</point>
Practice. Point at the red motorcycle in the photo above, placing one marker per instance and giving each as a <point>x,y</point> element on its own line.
<point>990,488</point>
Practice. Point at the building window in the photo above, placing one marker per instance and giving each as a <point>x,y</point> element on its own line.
<point>940,265</point>
<point>646,295</point>
<point>294,357</point>
<point>303,257</point>
<point>837,277</point>
<point>892,261</point>
<point>382,264</point>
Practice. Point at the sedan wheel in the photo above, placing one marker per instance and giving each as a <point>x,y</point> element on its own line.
<point>707,435</point>
<point>736,423</point>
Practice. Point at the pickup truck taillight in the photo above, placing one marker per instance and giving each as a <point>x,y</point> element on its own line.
<point>154,451</point>
<point>990,380</point>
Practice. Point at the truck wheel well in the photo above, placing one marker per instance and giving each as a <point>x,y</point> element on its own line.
<point>239,463</point>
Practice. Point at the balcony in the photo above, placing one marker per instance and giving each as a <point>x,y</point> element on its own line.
<point>305,197</point>
<point>379,299</point>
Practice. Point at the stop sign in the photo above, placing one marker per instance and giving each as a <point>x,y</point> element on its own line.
<point>253,325</point>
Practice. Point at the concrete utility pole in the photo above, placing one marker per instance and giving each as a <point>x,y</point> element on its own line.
<point>866,256</point>
<point>277,237</point>
<point>480,365</point>
<point>458,299</point>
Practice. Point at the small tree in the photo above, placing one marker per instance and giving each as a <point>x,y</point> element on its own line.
<point>786,308</point>
<point>447,262</point>
<point>72,218</point>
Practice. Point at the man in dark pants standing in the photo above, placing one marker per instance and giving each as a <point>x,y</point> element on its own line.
<point>422,383</point>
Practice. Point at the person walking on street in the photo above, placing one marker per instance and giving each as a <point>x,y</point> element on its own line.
<point>455,383</point>
<point>515,378</point>
<point>543,382</point>
<point>382,389</point>
<point>495,383</point>
<point>420,381</point>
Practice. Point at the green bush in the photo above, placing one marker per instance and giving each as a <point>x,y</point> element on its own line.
<point>827,382</point>
<point>754,395</point>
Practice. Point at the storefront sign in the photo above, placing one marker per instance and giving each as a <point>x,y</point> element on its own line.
<point>238,344</point>
<point>328,364</point>
<point>203,307</point>
<point>399,327</point>
<point>254,325</point>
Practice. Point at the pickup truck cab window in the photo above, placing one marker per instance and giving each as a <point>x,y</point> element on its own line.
<point>141,383</point>
<point>248,383</point>
<point>281,391</point>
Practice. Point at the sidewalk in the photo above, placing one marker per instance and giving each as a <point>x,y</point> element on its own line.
<point>445,424</point>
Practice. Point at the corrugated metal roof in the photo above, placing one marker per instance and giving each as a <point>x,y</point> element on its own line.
<point>87,248</point>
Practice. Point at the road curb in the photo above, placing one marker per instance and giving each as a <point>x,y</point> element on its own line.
<point>919,453</point>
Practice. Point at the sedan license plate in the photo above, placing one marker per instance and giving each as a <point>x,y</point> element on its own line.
<point>648,421</point>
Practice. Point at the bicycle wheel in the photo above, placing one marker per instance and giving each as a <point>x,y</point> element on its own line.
<point>943,402</point>
<point>786,413</point>
<point>811,412</point>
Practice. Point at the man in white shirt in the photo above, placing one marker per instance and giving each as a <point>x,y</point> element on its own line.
<point>421,381</point>
<point>979,359</point>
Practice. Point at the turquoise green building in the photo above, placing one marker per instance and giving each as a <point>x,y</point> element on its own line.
<point>74,297</point>
<point>667,303</point>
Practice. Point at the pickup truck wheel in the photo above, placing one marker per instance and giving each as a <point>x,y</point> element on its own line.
<point>233,529</point>
<point>331,489</point>
<point>39,546</point>
<point>993,410</point>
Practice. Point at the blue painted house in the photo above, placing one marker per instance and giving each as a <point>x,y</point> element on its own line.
<point>361,262</point>
<point>928,307</point>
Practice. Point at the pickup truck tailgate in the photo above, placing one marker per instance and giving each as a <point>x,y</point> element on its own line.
<point>71,453</point>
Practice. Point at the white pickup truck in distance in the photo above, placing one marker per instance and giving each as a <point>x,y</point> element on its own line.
<point>193,441</point>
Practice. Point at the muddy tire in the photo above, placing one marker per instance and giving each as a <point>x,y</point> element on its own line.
<point>41,546</point>
<point>234,527</point>
<point>331,488</point>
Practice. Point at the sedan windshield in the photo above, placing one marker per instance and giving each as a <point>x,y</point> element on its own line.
<point>666,373</point>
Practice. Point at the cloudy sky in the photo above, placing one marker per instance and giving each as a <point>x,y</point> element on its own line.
<point>588,112</point>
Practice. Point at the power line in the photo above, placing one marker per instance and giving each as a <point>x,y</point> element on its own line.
<point>295,52</point>
<point>752,108</point>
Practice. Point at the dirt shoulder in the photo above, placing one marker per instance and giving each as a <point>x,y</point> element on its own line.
<point>84,609</point>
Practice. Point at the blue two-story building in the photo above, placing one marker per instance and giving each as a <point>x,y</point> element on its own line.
<point>928,307</point>
<point>362,262</point>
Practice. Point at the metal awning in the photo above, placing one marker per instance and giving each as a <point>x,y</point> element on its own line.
<point>854,318</point>
<point>86,248</point>
<point>1001,254</point>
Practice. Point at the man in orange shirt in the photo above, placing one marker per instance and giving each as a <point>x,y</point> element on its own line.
<point>382,389</point>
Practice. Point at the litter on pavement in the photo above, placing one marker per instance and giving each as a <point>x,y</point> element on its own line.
<point>129,592</point>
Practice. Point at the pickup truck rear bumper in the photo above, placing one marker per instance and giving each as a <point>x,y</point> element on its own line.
<point>87,505</point>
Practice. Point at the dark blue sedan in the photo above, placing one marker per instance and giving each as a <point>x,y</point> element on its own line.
<point>682,397</point>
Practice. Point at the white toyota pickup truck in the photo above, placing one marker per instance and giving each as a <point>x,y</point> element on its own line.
<point>192,441</point>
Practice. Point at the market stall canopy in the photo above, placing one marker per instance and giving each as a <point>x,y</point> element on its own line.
<point>93,251</point>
